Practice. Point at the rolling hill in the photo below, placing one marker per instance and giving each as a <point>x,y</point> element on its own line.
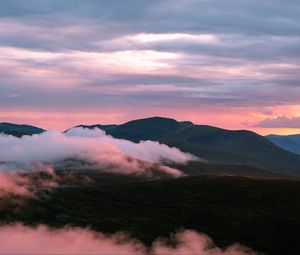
<point>213,144</point>
<point>19,130</point>
<point>288,142</point>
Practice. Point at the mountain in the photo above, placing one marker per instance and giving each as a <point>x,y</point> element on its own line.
<point>214,144</point>
<point>287,142</point>
<point>19,130</point>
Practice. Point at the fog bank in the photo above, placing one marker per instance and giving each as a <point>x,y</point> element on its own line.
<point>19,239</point>
<point>93,146</point>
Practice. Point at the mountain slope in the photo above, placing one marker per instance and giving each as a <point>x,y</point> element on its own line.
<point>19,130</point>
<point>213,144</point>
<point>288,142</point>
<point>197,168</point>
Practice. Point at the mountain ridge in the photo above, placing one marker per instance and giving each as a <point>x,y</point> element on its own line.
<point>214,144</point>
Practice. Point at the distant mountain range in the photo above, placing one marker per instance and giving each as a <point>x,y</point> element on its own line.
<point>216,145</point>
<point>287,142</point>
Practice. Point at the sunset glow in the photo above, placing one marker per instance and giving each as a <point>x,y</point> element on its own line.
<point>149,127</point>
<point>63,68</point>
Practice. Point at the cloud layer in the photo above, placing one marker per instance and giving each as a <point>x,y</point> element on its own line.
<point>92,145</point>
<point>133,59</point>
<point>91,150</point>
<point>19,239</point>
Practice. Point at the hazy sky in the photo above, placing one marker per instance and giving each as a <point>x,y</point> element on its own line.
<point>233,63</point>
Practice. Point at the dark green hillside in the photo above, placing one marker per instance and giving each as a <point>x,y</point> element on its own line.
<point>262,214</point>
<point>19,130</point>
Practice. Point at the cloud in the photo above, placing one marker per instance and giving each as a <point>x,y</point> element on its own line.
<point>280,122</point>
<point>24,159</point>
<point>82,51</point>
<point>94,146</point>
<point>19,239</point>
<point>26,181</point>
<point>14,183</point>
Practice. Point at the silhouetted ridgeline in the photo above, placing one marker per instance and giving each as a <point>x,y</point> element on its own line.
<point>216,145</point>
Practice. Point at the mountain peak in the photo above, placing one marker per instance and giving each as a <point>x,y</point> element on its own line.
<point>158,120</point>
<point>154,119</point>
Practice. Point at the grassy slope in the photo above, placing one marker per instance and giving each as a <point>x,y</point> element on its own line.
<point>263,214</point>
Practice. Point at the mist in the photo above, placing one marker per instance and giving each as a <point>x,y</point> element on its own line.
<point>93,146</point>
<point>27,180</point>
<point>79,149</point>
<point>44,240</point>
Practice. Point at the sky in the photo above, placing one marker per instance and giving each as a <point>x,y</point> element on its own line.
<point>233,64</point>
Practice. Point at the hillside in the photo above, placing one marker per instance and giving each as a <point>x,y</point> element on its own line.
<point>19,130</point>
<point>196,168</point>
<point>213,144</point>
<point>288,142</point>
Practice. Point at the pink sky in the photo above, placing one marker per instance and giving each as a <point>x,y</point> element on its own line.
<point>60,68</point>
<point>62,121</point>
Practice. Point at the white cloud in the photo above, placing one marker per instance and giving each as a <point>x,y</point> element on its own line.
<point>93,146</point>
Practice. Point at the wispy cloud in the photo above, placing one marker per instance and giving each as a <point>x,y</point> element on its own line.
<point>280,122</point>
<point>116,54</point>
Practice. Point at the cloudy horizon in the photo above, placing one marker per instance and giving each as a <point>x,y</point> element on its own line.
<point>234,65</point>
